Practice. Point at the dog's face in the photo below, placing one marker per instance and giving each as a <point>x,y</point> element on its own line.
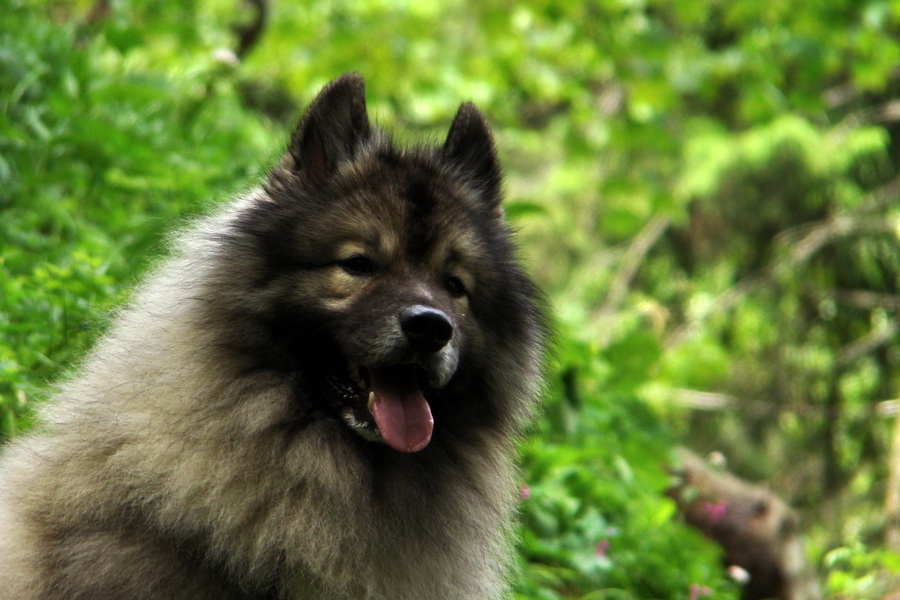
<point>391,298</point>
<point>376,263</point>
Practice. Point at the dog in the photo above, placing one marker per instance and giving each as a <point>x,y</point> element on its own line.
<point>317,395</point>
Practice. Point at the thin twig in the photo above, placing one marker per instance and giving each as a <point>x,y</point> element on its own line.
<point>249,34</point>
<point>628,267</point>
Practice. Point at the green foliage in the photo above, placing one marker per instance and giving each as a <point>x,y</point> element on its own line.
<point>705,189</point>
<point>857,572</point>
<point>97,158</point>
<point>596,522</point>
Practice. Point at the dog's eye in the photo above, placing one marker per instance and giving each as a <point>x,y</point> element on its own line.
<point>455,286</point>
<point>359,264</point>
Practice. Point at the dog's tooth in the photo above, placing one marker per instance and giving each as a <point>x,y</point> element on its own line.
<point>371,400</point>
<point>355,375</point>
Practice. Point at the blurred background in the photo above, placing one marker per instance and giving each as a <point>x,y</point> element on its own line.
<point>706,190</point>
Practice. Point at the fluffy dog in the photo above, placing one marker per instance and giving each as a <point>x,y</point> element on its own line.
<point>315,397</point>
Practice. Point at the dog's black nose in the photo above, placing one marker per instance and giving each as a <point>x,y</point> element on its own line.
<point>426,329</point>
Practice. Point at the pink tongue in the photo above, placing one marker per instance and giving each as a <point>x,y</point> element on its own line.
<point>400,410</point>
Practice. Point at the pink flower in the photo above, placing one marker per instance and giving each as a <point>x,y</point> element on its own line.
<point>602,547</point>
<point>714,511</point>
<point>524,491</point>
<point>698,591</point>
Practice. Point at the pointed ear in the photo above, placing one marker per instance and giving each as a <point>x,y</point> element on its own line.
<point>333,129</point>
<point>470,146</point>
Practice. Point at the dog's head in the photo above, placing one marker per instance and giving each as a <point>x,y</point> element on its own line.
<point>377,271</point>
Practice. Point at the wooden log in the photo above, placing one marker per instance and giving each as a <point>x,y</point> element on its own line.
<point>757,531</point>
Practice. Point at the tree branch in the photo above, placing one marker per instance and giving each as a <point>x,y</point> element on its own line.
<point>858,348</point>
<point>812,238</point>
<point>866,299</point>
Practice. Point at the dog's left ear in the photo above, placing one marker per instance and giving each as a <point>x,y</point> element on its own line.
<point>470,146</point>
<point>332,130</point>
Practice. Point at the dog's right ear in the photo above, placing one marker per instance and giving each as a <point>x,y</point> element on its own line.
<point>332,130</point>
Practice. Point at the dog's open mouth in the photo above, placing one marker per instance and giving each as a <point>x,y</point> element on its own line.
<point>386,404</point>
